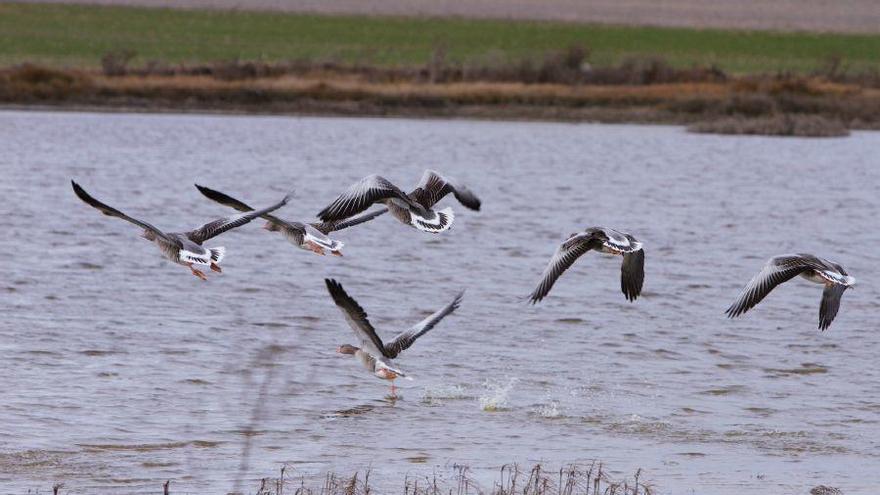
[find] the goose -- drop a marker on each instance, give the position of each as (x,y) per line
(779,269)
(309,236)
(184,248)
(603,240)
(375,355)
(414,209)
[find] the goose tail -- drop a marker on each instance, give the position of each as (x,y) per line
(441,221)
(217,254)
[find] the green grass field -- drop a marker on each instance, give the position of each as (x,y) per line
(71,35)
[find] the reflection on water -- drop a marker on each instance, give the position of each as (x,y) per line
(121,370)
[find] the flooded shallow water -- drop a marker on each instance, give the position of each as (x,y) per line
(121,370)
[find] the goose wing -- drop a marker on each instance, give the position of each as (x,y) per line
(357,319)
(360,196)
(226,200)
(336,225)
(570,250)
(217,227)
(407,338)
(433,187)
(830,304)
(777,270)
(113,212)
(632,273)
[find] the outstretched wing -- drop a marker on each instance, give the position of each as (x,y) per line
(433,187)
(570,250)
(632,273)
(336,225)
(777,270)
(407,338)
(360,196)
(217,227)
(357,319)
(830,304)
(113,212)
(226,200)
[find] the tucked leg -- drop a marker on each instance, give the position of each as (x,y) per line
(315,248)
(216,267)
(197,273)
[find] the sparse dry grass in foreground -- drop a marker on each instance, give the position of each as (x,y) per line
(573,479)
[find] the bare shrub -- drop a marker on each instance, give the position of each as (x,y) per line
(236,70)
(115,63)
(749,105)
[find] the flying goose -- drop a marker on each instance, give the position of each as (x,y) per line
(779,269)
(184,248)
(309,236)
(606,241)
(375,355)
(414,209)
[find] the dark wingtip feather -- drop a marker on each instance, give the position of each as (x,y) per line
(458,298)
(324,214)
(733,311)
(78,189)
(88,199)
(211,193)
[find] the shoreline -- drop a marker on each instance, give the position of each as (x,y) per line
(479,114)
(767,105)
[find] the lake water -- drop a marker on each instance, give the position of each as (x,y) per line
(121,370)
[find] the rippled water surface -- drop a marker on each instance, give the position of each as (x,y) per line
(121,370)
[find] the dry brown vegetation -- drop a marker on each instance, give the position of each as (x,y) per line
(779,125)
(558,86)
(573,479)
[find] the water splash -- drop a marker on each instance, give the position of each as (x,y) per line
(437,393)
(496,395)
(549,410)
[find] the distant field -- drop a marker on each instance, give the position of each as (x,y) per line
(842,16)
(75,35)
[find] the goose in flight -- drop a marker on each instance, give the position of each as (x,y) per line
(783,268)
(603,240)
(375,355)
(414,209)
(309,236)
(184,248)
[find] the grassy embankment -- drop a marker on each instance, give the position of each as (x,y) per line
(160,59)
